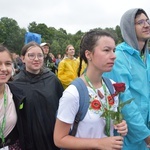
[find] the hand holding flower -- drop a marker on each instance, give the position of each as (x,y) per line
(116,116)
(122,128)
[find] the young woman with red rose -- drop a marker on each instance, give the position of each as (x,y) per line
(97,50)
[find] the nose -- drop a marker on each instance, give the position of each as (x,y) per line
(113,56)
(146,24)
(2,67)
(36,57)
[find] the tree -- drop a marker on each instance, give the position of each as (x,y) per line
(118,32)
(11,34)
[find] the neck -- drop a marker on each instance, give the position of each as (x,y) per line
(141,44)
(2,88)
(71,57)
(95,79)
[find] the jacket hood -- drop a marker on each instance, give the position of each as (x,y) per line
(24,76)
(127,26)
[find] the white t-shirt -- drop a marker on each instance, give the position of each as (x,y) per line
(92,126)
(10,110)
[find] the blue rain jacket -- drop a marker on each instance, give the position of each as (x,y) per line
(130,69)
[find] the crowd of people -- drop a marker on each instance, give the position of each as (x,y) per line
(39,102)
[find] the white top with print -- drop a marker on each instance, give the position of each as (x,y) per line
(92,126)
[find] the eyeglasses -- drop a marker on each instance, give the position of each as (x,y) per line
(32,56)
(142,22)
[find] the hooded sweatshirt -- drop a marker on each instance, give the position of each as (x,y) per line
(134,71)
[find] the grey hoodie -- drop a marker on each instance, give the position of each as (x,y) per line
(127,26)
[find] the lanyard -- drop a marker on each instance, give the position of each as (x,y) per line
(90,84)
(104,88)
(2,127)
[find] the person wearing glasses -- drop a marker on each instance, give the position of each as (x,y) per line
(42,90)
(132,66)
(68,67)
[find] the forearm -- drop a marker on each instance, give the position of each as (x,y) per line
(71,142)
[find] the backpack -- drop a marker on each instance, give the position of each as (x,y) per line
(84,100)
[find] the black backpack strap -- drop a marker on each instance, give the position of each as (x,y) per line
(83,103)
(109,85)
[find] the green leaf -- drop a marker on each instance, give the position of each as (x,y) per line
(122,104)
(113,115)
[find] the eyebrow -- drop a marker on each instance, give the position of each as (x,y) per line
(8,61)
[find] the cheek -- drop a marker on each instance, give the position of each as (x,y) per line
(11,71)
(46,51)
(42,62)
(26,60)
(27,63)
(97,58)
(137,31)
(99,61)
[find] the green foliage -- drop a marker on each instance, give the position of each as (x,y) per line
(12,36)
(118,32)
(116,116)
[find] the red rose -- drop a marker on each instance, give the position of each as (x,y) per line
(95,104)
(119,87)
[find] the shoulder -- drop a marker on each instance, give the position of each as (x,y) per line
(62,61)
(70,98)
(70,93)
(49,75)
(72,90)
(16,91)
(21,74)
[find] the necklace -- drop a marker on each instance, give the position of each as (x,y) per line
(2,127)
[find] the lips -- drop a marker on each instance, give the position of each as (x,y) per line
(146,31)
(111,64)
(36,64)
(3,76)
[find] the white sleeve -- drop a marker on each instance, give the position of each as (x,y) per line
(68,105)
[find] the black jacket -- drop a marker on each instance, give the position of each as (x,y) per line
(43,92)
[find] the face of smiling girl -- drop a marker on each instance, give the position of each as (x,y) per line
(33,59)
(5,67)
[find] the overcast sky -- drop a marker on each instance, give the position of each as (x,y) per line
(71,15)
